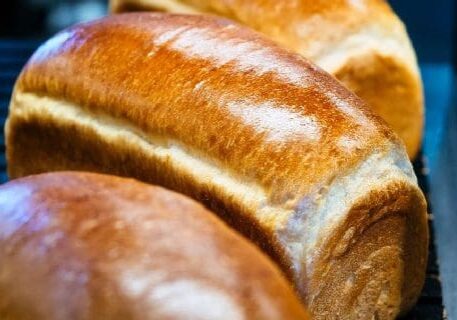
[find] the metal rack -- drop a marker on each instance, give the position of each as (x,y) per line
(14,54)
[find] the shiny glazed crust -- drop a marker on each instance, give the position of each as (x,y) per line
(92,246)
(363,43)
(271,143)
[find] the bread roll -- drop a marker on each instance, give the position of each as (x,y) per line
(270,142)
(361,42)
(90,246)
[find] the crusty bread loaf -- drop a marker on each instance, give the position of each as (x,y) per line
(267,140)
(361,42)
(89,246)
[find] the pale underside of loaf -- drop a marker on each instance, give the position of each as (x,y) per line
(365,46)
(300,236)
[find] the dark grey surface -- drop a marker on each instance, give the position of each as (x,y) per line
(441,144)
(430,25)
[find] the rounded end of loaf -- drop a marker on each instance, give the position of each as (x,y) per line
(373,265)
(392,89)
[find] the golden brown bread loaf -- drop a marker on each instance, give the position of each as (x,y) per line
(361,42)
(267,140)
(89,246)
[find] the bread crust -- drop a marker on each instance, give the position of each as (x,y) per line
(358,42)
(219,113)
(114,248)
(210,92)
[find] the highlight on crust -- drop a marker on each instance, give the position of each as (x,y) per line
(362,43)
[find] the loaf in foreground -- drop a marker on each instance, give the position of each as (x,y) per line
(363,43)
(89,246)
(270,142)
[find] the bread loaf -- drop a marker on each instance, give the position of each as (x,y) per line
(363,43)
(89,246)
(274,145)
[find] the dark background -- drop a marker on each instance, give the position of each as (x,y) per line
(41,18)
(431,25)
